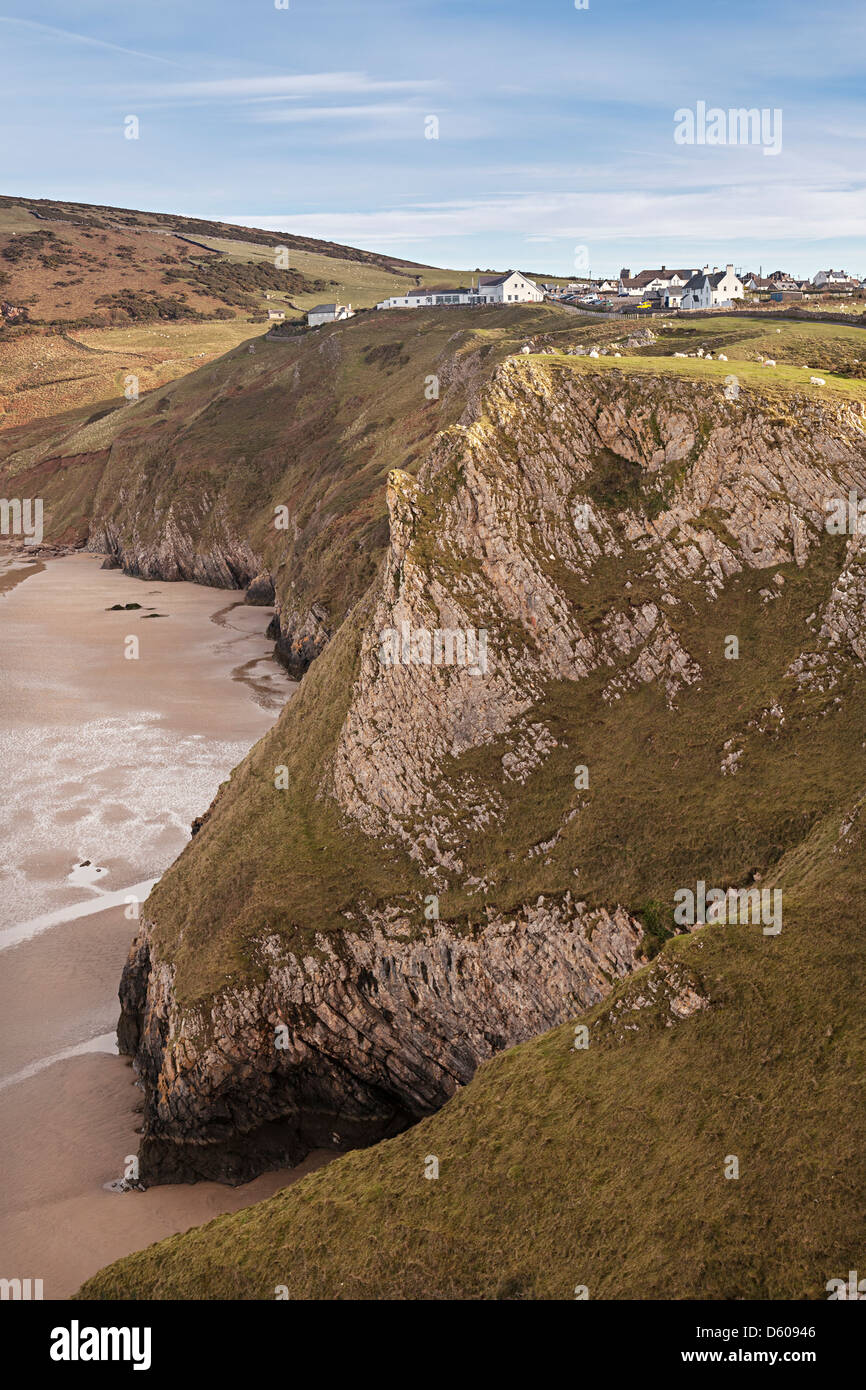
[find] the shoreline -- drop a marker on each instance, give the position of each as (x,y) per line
(107,762)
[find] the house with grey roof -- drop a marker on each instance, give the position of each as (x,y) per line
(328,313)
(712,289)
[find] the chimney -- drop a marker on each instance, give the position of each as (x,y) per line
(625,273)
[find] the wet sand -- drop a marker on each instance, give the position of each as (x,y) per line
(105,762)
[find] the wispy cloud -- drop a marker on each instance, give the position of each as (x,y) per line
(299,114)
(294,85)
(67,36)
(791,213)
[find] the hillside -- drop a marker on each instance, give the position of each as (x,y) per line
(388,922)
(90,294)
(90,266)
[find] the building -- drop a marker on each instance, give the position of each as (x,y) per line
(648,280)
(328,313)
(510,288)
(426,296)
(712,289)
(758,283)
(276,314)
(825,278)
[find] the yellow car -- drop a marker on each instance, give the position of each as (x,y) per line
(645,305)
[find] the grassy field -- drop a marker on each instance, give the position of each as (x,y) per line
(806,344)
(782,381)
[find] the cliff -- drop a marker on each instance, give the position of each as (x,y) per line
(427,861)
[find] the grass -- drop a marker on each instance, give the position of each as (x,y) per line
(349,282)
(44,377)
(779,381)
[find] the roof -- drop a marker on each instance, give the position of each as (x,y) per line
(323,309)
(422,291)
(663,273)
(497,279)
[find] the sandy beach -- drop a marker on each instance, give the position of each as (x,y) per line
(106,760)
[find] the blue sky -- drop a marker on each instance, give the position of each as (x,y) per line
(555,125)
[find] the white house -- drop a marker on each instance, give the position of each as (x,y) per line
(831,277)
(276,314)
(672,296)
(510,288)
(328,313)
(646,281)
(712,289)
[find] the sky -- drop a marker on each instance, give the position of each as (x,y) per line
(459,133)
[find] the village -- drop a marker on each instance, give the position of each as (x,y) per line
(660,290)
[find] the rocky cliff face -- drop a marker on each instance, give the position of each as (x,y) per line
(357,1039)
(583,523)
(564,474)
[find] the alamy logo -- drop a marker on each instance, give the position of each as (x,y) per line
(738,126)
(850,1288)
(76,1343)
(419,646)
(845,516)
(734,906)
(22,517)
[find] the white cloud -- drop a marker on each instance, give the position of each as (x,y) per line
(294,85)
(326,113)
(786,213)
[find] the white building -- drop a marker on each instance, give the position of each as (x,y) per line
(831,277)
(421,298)
(672,296)
(328,313)
(510,288)
(712,289)
(648,281)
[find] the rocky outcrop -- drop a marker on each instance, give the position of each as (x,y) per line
(359,1038)
(564,473)
(300,636)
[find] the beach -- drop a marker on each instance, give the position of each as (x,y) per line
(106,759)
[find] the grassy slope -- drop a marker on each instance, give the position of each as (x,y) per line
(42,377)
(348,282)
(603,1167)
